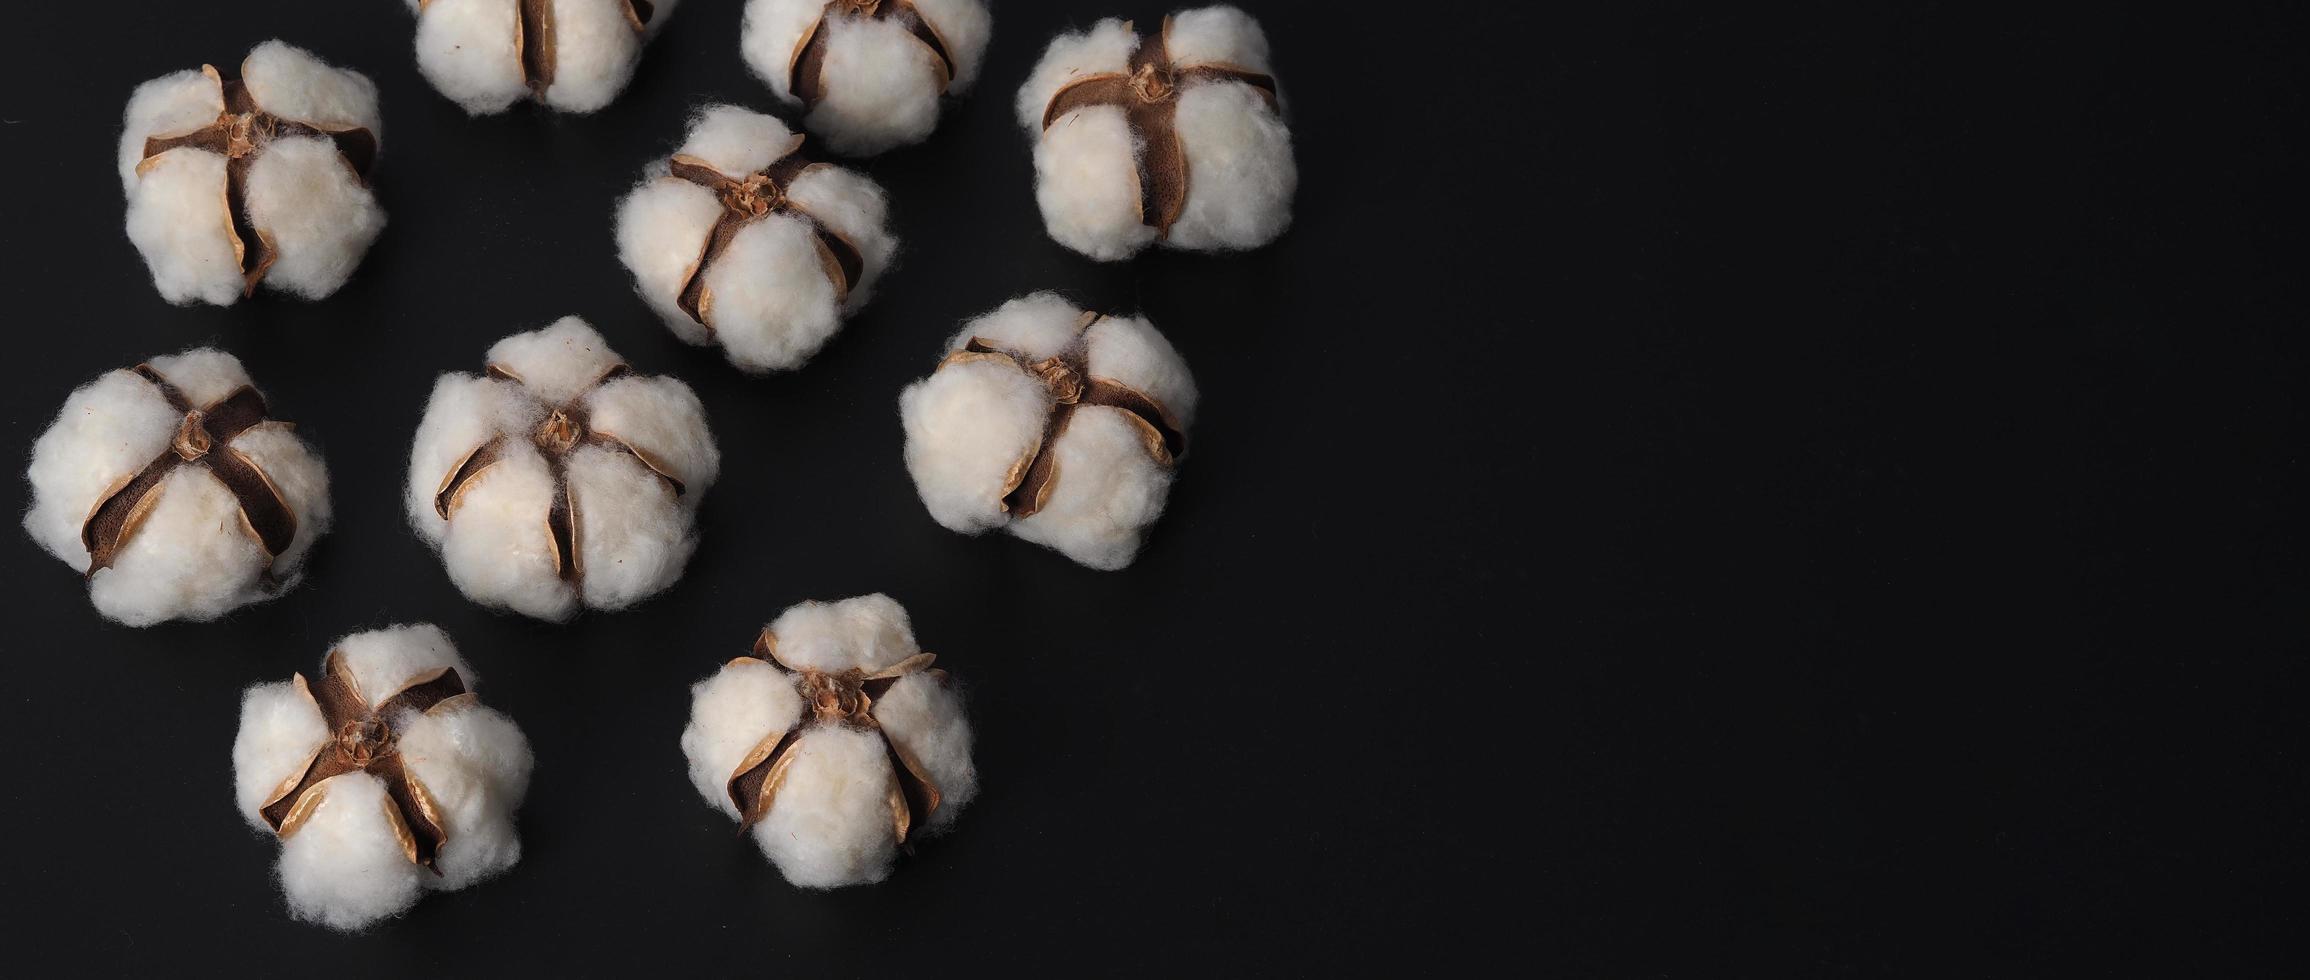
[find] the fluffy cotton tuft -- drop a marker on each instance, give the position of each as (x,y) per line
(1236,148)
(472,50)
(299,192)
(559,416)
(190,554)
(770,299)
(831,821)
(880,81)
(977,423)
(344,865)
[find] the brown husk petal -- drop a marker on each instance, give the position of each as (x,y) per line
(364,739)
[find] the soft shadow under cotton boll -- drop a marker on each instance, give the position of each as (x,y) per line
(195,500)
(383,776)
(560,480)
(1059,425)
(834,744)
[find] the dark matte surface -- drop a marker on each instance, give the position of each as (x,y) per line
(1705,489)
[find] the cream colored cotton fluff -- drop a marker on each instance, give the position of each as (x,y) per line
(383,776)
(835,744)
(158,468)
(1207,74)
(1055,424)
(285,148)
(774,285)
(880,65)
(560,480)
(572,55)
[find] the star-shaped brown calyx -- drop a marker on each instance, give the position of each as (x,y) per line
(365,739)
(806,71)
(835,698)
(1148,92)
(203,438)
(240,133)
(1067,376)
(749,198)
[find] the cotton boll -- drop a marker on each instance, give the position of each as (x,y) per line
(280,729)
(1110,492)
(478,52)
(108,430)
(474,764)
(183,543)
(808,728)
(268,153)
(868,632)
(879,83)
(968,426)
(291,82)
(730,713)
(385,661)
(177,565)
(635,536)
(1200,89)
(174,103)
(499,550)
(463,412)
(1115,391)
(1087,187)
(179,221)
(567,482)
(779,286)
(383,762)
(344,868)
(831,824)
(322,218)
(926,717)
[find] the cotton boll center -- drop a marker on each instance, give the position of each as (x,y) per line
(755,196)
(1154,83)
(1057,374)
(562,429)
(838,696)
(364,740)
(192,437)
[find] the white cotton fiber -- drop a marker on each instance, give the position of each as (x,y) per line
(770,300)
(1237,150)
(561,412)
(880,82)
(344,866)
(974,426)
(192,555)
(300,193)
(831,821)
(472,50)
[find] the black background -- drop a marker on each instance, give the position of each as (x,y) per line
(1696,491)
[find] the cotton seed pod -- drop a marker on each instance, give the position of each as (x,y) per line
(741,241)
(233,182)
(571,55)
(384,777)
(173,490)
(868,74)
(560,479)
(1176,139)
(835,743)
(1054,423)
